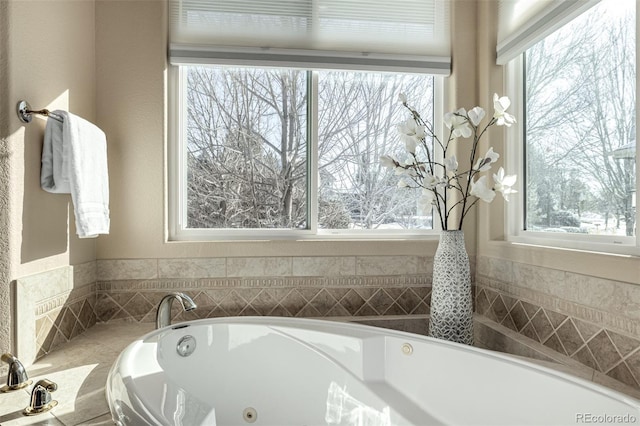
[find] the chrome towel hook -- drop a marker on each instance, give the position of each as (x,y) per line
(25,113)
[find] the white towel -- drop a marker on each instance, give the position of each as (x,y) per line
(74,161)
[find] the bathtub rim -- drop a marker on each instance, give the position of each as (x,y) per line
(371,330)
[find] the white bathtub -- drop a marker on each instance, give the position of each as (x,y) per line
(277,371)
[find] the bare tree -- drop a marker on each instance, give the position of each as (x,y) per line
(247,148)
(580,89)
(358,113)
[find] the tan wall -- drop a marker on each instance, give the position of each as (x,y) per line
(131,46)
(461,89)
(5,173)
(48,60)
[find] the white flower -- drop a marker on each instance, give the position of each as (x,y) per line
(425,202)
(500,105)
(387,162)
(411,133)
(410,144)
(451,164)
(430,181)
(493,156)
(480,189)
(458,123)
(484,163)
(504,183)
(410,127)
(476,115)
(415,172)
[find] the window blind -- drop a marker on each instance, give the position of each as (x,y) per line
(522,23)
(381,35)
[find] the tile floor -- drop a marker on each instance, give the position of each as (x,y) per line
(80,369)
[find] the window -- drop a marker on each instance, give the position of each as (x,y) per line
(579,117)
(357,114)
(246,146)
(286,152)
(269,140)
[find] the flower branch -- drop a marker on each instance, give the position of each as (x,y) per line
(437,178)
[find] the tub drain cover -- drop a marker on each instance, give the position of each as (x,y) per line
(250,415)
(186,345)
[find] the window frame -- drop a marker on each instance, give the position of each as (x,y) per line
(514,231)
(176,206)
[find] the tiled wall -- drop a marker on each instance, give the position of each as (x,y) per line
(64,318)
(290,297)
(53,307)
(281,267)
(56,306)
(334,287)
(593,321)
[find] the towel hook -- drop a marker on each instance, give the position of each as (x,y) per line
(25,113)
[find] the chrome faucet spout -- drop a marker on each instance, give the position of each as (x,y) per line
(17,377)
(163,314)
(41,401)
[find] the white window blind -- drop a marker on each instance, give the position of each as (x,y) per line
(522,23)
(381,35)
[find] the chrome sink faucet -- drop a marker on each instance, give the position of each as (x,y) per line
(17,377)
(40,401)
(163,314)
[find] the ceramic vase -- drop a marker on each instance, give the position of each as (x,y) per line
(451,302)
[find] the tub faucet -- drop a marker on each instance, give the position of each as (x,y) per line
(163,314)
(41,398)
(17,377)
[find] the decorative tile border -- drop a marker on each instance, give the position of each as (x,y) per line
(615,354)
(294,297)
(176,285)
(615,304)
(47,305)
(59,325)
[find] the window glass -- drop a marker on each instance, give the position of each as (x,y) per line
(246,148)
(358,113)
(580,125)
(246,144)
